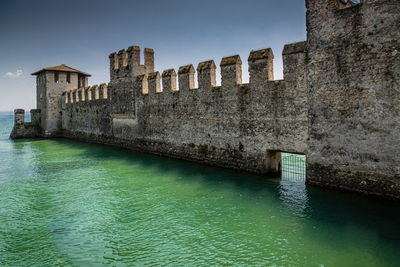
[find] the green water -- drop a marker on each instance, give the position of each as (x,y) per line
(74,204)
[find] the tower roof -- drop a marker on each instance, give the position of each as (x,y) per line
(62,67)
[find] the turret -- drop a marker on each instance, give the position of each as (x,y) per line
(51,83)
(126,63)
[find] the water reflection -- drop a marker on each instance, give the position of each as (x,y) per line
(293,195)
(87,205)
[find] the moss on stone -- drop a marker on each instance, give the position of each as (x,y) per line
(148,50)
(169,72)
(140,78)
(294,48)
(133,48)
(260,54)
(186,69)
(206,65)
(232,60)
(363,46)
(307,58)
(244,89)
(203,149)
(241,147)
(153,75)
(28,125)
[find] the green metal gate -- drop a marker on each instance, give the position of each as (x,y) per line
(293,167)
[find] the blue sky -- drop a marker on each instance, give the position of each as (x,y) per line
(81,34)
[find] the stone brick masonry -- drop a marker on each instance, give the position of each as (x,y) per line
(339,104)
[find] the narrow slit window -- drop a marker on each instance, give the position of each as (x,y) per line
(56,77)
(68,77)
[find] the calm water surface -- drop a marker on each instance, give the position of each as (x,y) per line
(74,204)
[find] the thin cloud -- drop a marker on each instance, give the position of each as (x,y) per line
(13,74)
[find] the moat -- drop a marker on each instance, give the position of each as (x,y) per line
(69,203)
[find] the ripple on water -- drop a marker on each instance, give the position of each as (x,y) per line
(69,203)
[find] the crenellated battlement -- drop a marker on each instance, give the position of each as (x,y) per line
(337,103)
(261,65)
(24,129)
(231,71)
(169,80)
(260,71)
(126,63)
(134,87)
(206,76)
(87,94)
(186,77)
(154,83)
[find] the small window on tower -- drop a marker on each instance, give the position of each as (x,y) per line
(82,82)
(56,77)
(342,4)
(68,77)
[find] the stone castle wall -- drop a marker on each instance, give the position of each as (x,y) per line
(236,125)
(87,111)
(339,103)
(354,94)
(24,129)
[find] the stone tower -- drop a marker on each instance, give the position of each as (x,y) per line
(51,82)
(353,79)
